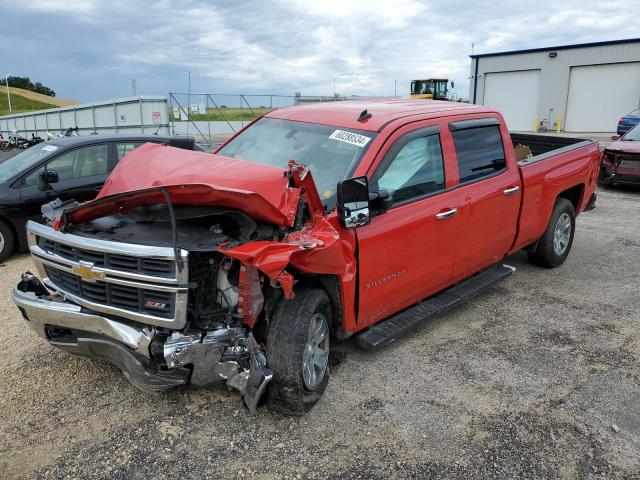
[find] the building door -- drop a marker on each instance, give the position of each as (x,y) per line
(515,95)
(600,94)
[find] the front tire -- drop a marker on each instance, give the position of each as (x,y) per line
(556,242)
(298,348)
(7,241)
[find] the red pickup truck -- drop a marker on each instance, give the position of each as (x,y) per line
(315,223)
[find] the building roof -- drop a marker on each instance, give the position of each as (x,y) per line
(559,47)
(89,139)
(345,113)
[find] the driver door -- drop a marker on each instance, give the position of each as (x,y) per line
(407,253)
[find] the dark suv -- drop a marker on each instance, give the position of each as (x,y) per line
(79,164)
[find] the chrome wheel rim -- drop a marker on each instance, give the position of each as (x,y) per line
(315,356)
(562,234)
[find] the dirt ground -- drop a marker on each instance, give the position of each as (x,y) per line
(540,378)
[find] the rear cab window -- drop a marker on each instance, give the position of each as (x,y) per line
(479,149)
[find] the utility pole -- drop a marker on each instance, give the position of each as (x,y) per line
(334,83)
(133,86)
(6,80)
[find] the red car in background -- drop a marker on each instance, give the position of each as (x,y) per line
(621,160)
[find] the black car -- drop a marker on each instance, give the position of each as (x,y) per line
(81,165)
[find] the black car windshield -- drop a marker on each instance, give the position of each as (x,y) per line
(633,135)
(23,161)
(329,152)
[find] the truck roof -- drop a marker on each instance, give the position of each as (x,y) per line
(345,113)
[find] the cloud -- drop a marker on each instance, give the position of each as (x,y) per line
(91,49)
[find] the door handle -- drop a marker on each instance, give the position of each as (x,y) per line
(511,191)
(447,214)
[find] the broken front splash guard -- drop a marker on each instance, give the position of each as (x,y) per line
(219,355)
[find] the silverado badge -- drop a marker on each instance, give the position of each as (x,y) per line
(86,272)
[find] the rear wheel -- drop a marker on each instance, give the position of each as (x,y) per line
(298,348)
(554,246)
(7,241)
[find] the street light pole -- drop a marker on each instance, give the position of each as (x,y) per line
(334,82)
(6,80)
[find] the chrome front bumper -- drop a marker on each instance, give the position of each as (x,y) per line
(55,311)
(203,360)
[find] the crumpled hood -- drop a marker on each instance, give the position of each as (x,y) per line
(194,178)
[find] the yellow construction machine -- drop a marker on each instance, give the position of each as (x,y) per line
(435,88)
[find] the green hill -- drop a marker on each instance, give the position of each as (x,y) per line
(26,101)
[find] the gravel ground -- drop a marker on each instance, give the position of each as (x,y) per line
(540,378)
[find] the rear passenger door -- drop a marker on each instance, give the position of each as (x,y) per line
(490,191)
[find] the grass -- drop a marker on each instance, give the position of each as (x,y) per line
(214,114)
(20,103)
(38,97)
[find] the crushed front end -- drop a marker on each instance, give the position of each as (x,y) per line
(173,272)
(165,318)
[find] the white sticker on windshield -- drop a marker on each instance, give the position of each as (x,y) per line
(349,137)
(49,148)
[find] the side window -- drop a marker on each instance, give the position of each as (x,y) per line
(415,170)
(33,178)
(78,163)
(123,148)
(480,152)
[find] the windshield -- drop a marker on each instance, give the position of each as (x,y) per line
(424,87)
(23,161)
(329,152)
(633,135)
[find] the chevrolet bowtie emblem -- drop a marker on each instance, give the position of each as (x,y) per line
(86,272)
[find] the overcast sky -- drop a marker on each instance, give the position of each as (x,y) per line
(90,50)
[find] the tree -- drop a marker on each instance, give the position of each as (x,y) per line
(26,84)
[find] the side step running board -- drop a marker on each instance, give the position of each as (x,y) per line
(400,324)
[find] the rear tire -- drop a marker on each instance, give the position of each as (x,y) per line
(7,241)
(555,244)
(300,371)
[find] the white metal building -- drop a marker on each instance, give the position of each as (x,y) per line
(140,114)
(584,88)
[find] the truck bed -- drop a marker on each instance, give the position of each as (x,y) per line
(560,166)
(544,144)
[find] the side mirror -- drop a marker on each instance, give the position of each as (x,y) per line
(615,137)
(353,202)
(46,179)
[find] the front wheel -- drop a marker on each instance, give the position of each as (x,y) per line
(6,146)
(554,246)
(298,347)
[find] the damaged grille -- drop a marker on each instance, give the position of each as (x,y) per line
(126,263)
(138,282)
(161,304)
